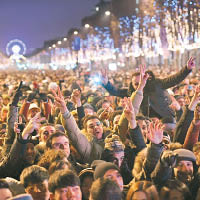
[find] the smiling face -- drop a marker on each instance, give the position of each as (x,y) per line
(95,128)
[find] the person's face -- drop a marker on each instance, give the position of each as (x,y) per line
(95,128)
(176,195)
(114,175)
(45,132)
(88,111)
(30,153)
(181,101)
(184,171)
(139,195)
(119,156)
(5,193)
(144,128)
(4,115)
(61,142)
(67,193)
(85,186)
(32,112)
(135,81)
(105,105)
(39,191)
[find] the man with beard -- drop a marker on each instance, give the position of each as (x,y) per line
(179,164)
(156,99)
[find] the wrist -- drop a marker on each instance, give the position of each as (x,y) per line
(132,124)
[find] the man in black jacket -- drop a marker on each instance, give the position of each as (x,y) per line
(156,99)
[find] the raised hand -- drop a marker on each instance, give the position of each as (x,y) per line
(105,114)
(32,125)
(195,98)
(169,159)
(155,132)
(76,97)
(143,77)
(191,63)
(129,112)
(59,100)
(104,76)
(174,105)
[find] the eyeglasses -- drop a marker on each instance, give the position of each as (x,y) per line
(92,126)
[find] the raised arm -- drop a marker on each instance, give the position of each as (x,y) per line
(78,140)
(179,76)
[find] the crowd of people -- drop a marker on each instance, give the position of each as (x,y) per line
(99,136)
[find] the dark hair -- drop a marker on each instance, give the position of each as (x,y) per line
(174,185)
(58,165)
(89,117)
(50,156)
(63,178)
(3,184)
(33,174)
(56,134)
(105,189)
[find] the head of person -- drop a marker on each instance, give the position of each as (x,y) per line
(45,131)
(113,150)
(64,185)
(180,99)
(30,153)
(93,126)
(35,182)
(142,190)
(59,165)
(184,168)
(4,113)
(110,171)
(106,189)
(88,109)
(86,177)
(175,189)
(33,110)
(50,156)
(58,140)
(5,192)
(114,119)
(143,124)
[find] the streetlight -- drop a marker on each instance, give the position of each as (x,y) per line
(75,32)
(65,39)
(107,13)
(49,47)
(87,26)
(97,8)
(54,46)
(59,42)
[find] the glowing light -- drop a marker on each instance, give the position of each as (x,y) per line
(107,13)
(16,49)
(65,39)
(59,42)
(54,46)
(112,66)
(87,26)
(97,8)
(75,32)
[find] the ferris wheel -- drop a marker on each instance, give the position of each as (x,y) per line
(15,47)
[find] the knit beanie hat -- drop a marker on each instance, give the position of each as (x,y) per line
(113,143)
(185,154)
(102,168)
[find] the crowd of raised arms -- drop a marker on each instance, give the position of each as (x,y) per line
(102,135)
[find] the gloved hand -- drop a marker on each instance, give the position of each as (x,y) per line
(17,95)
(169,159)
(31,96)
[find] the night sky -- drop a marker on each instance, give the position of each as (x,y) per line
(34,21)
